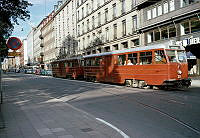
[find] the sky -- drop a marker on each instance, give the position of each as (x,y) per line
(37,13)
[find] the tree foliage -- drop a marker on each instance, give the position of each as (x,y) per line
(10,12)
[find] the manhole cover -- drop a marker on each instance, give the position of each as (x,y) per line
(87,129)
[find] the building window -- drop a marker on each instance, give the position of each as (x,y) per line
(82,12)
(164,33)
(166,8)
(171,5)
(83,28)
(88,40)
(99,19)
(114,10)
(83,42)
(107,33)
(88,25)
(106,15)
(148,14)
(98,3)
(123,27)
(160,10)
(123,6)
(172,31)
(93,23)
(154,12)
(115,31)
(134,23)
(149,37)
(133,3)
(184,28)
(92,5)
(78,15)
(125,44)
(78,29)
(187,2)
(135,42)
(87,9)
(157,34)
(195,25)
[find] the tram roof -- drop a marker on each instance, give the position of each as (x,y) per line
(160,46)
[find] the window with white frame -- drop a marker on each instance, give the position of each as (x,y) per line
(124,27)
(107,33)
(88,25)
(148,14)
(106,15)
(149,37)
(115,31)
(82,27)
(82,12)
(123,6)
(134,23)
(160,10)
(87,9)
(93,23)
(99,19)
(166,8)
(154,12)
(114,10)
(171,5)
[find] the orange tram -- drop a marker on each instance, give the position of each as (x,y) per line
(136,67)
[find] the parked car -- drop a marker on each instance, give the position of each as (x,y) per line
(49,72)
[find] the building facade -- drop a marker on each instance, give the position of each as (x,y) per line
(47,45)
(36,45)
(65,28)
(177,21)
(30,41)
(107,25)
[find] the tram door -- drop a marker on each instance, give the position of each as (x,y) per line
(108,68)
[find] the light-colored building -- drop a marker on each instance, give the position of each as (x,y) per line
(107,25)
(177,21)
(30,40)
(36,44)
(24,41)
(48,40)
(65,28)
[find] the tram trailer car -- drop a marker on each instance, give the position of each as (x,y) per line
(139,67)
(68,68)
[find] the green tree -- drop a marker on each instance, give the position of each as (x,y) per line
(10,12)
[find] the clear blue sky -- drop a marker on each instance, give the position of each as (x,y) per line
(37,13)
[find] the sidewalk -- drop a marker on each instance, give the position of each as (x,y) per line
(34,114)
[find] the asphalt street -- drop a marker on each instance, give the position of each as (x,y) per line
(138,113)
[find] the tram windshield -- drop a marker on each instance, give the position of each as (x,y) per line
(176,56)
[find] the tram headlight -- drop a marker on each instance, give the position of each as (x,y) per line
(179,72)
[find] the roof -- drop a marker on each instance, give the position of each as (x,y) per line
(160,46)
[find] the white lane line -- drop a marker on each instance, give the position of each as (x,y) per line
(110,125)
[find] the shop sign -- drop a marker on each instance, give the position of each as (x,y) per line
(189,41)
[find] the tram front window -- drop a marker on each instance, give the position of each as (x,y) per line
(182,56)
(176,56)
(172,55)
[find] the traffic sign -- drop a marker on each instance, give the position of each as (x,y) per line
(14,53)
(14,43)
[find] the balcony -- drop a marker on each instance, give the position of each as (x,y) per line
(41,45)
(41,54)
(41,37)
(140,4)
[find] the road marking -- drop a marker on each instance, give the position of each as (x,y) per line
(110,125)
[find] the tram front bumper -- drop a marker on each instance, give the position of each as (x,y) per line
(178,83)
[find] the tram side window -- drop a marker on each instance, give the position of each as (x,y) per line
(97,61)
(65,64)
(132,59)
(88,62)
(145,58)
(82,63)
(160,57)
(121,59)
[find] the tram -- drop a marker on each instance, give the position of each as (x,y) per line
(135,67)
(68,68)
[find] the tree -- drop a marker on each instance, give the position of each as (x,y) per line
(10,12)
